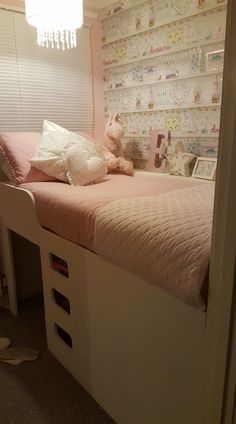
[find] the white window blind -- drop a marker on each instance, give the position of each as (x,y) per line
(38,83)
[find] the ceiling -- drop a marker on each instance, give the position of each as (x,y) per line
(99,4)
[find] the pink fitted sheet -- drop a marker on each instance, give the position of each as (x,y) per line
(70,211)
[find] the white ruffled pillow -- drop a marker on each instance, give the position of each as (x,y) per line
(54,156)
(82,168)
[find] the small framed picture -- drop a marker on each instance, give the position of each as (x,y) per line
(215,61)
(205,168)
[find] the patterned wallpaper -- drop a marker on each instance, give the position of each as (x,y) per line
(163,63)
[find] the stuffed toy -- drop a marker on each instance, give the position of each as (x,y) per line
(112,149)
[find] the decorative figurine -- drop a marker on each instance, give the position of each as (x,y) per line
(151,15)
(151,100)
(216,92)
(158,149)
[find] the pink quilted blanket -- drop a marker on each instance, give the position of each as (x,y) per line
(156,227)
(164,239)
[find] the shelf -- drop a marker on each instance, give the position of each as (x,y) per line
(183,17)
(125,10)
(171,177)
(143,84)
(172,107)
(174,135)
(163,53)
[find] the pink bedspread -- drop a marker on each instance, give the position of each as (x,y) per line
(72,212)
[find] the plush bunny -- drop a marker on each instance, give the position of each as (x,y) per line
(112,149)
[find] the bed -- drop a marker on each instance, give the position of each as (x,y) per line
(135,342)
(133,346)
(157,229)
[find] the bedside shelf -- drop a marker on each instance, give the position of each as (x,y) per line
(174,135)
(125,9)
(144,84)
(183,17)
(174,107)
(167,175)
(164,53)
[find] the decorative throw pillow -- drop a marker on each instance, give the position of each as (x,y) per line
(51,154)
(5,167)
(16,150)
(82,168)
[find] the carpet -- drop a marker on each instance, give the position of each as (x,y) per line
(42,391)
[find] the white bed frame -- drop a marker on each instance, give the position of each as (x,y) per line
(138,351)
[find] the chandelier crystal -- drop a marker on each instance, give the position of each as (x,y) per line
(56,21)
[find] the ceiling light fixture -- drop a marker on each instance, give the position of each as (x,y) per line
(56,21)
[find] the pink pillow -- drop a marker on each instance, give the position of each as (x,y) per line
(16,149)
(87,136)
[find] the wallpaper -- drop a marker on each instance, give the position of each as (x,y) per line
(163,63)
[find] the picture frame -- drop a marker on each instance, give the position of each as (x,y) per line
(205,168)
(215,60)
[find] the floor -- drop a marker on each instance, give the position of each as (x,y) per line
(40,392)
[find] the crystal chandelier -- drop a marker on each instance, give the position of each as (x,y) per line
(56,21)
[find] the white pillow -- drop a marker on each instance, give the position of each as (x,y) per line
(82,168)
(50,154)
(50,151)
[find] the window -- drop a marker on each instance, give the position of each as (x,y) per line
(38,83)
